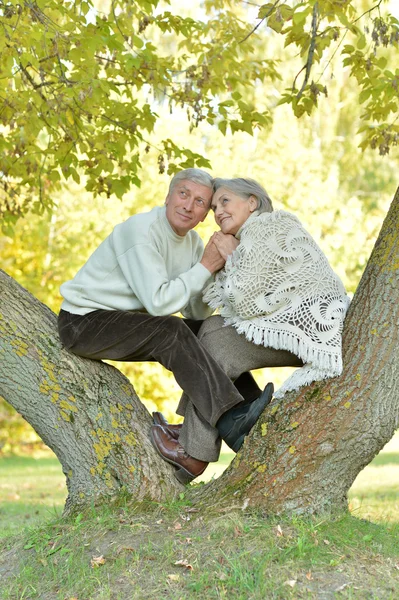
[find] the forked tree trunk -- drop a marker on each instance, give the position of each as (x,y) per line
(305,452)
(86,411)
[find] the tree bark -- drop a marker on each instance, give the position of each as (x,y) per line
(86,411)
(305,451)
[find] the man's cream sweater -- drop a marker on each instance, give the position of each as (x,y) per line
(142,265)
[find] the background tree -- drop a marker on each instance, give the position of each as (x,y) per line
(212,69)
(81,81)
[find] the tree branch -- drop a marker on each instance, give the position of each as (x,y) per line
(368,11)
(260,22)
(309,62)
(35,85)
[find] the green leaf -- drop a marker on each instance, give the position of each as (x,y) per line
(361,43)
(222,126)
(382,62)
(265,10)
(299,17)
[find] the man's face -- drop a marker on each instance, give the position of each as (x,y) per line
(186,205)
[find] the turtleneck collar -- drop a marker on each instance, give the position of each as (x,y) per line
(171,233)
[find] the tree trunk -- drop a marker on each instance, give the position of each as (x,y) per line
(85,411)
(302,456)
(305,452)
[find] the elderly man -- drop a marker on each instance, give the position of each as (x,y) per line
(119,306)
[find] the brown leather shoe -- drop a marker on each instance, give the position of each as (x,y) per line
(170,450)
(159,419)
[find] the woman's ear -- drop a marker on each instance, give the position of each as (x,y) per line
(253,203)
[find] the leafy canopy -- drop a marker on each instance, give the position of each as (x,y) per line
(80,82)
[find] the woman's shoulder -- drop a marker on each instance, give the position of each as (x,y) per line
(270,219)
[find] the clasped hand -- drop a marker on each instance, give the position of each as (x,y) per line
(218,248)
(225,243)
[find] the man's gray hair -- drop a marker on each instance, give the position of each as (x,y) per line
(245,188)
(196,175)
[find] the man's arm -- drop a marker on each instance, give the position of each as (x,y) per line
(146,274)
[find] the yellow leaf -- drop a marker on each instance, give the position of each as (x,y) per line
(69,116)
(97,561)
(184,563)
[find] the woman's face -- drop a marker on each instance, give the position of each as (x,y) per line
(231,211)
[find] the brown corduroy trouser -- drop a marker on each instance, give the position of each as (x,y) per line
(169,340)
(205,367)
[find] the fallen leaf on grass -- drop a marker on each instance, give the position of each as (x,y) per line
(340,588)
(97,561)
(314,536)
(124,549)
(279,531)
(184,563)
(326,542)
(177,525)
(290,582)
(237,532)
(173,577)
(309,575)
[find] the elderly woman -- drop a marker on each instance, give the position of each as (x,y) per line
(277,288)
(279,303)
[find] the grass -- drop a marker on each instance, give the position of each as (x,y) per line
(31,491)
(172,551)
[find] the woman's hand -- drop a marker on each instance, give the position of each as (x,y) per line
(225,243)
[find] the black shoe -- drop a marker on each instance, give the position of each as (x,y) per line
(237,422)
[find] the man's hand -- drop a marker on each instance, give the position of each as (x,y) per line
(225,243)
(212,258)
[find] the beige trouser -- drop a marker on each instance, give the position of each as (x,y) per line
(235,355)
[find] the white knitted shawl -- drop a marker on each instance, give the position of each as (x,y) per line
(278,289)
